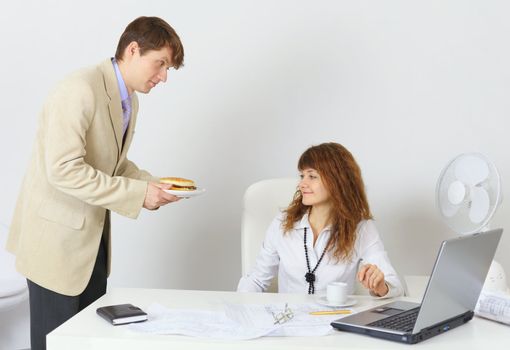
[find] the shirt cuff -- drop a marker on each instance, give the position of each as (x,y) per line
(392,291)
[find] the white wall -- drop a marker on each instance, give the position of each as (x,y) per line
(405,85)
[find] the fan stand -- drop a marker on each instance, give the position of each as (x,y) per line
(496,279)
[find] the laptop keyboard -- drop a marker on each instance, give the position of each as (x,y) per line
(401,322)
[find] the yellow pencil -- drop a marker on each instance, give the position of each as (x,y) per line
(331,312)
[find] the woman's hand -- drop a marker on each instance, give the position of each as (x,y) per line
(373,279)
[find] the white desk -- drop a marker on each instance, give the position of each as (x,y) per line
(88,331)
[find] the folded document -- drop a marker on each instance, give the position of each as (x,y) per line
(494,306)
(237,321)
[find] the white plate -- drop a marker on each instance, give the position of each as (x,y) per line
(186,194)
(326,302)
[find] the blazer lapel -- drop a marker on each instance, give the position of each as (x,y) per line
(114,105)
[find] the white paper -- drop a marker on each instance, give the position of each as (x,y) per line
(237,321)
(302,323)
(196,323)
(494,306)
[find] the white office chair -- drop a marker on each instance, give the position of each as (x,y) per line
(14,308)
(262,202)
(13,286)
(416,285)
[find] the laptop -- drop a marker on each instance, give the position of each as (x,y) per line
(450,297)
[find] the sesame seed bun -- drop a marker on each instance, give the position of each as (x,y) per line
(179,183)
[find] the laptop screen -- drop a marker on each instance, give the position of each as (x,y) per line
(457,277)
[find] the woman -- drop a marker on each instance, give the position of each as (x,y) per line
(325,233)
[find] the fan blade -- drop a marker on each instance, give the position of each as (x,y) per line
(480,204)
(471,170)
(449,210)
(456,192)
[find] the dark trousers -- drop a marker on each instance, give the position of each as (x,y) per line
(49,309)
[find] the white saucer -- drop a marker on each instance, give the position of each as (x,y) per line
(326,302)
(186,194)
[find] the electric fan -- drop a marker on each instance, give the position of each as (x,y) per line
(468,193)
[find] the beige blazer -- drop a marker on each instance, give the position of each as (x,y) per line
(77,172)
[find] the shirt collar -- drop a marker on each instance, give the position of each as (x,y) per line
(124,95)
(305,223)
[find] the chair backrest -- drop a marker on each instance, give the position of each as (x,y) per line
(262,202)
(13,286)
(7,269)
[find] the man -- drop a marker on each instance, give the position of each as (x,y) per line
(60,232)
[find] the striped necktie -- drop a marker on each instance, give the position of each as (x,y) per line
(126,114)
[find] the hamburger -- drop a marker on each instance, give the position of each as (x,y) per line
(178,183)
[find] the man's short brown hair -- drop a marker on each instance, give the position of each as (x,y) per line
(151,33)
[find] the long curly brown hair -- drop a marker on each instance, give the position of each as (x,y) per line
(341,177)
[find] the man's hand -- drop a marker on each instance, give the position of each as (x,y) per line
(156,197)
(372,278)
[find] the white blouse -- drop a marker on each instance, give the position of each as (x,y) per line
(284,254)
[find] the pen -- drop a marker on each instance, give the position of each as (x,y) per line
(331,312)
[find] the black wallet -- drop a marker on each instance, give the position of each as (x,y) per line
(122,314)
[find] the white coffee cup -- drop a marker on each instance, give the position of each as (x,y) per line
(337,293)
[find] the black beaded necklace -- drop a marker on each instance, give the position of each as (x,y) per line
(310,275)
